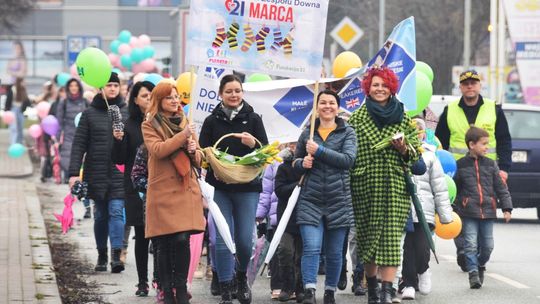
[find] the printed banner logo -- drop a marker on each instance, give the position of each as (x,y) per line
(295,105)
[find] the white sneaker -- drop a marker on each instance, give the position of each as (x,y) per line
(424,282)
(408,293)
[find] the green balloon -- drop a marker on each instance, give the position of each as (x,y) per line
(94,67)
(424,90)
(426,69)
(452,189)
(16,150)
(256,77)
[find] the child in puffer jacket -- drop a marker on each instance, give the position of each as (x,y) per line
(432,191)
(266,210)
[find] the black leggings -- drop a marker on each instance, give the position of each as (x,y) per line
(141,253)
(173,257)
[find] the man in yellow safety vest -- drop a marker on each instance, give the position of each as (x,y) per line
(471,109)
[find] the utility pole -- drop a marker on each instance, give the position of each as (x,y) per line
(382,13)
(501,53)
(467,36)
(493,28)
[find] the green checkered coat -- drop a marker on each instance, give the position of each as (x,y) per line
(381,202)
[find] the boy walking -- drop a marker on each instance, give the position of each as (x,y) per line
(479,185)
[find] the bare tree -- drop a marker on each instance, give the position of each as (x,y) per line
(439,30)
(12,12)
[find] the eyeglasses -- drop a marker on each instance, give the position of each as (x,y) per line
(175,97)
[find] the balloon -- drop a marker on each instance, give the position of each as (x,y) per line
(424,90)
(257,77)
(115,44)
(62,79)
(136,68)
(168,80)
(124,36)
(117,71)
(137,55)
(447,161)
(73,71)
(8,117)
(124,49)
(139,77)
(114,59)
(452,189)
(50,125)
(186,108)
(16,150)
(344,62)
(148,51)
(448,231)
(148,65)
(153,78)
(35,131)
(134,42)
(42,109)
(426,69)
(77,119)
(125,60)
(144,39)
(183,86)
(94,67)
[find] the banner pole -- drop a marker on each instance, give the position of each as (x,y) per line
(192,88)
(314,110)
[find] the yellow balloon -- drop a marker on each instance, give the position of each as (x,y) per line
(344,62)
(448,231)
(184,85)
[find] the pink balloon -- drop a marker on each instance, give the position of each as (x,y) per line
(114,59)
(43,109)
(136,68)
(148,64)
(139,77)
(35,131)
(144,39)
(135,43)
(124,49)
(8,117)
(73,71)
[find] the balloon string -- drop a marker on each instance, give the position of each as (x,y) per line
(105,97)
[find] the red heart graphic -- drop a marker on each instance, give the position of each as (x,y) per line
(229,5)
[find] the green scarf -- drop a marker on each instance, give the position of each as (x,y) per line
(391,113)
(170,126)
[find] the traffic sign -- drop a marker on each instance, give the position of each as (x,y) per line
(75,44)
(346,33)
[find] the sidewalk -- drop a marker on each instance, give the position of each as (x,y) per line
(26,274)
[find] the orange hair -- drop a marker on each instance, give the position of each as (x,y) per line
(162,90)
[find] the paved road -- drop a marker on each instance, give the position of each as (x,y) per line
(513,274)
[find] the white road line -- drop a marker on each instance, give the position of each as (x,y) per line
(508,281)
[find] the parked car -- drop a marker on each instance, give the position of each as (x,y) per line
(524,126)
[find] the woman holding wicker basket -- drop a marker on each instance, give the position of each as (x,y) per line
(174,208)
(237,129)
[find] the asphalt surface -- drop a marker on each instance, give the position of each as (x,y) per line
(513,274)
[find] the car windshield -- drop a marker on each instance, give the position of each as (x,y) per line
(523,124)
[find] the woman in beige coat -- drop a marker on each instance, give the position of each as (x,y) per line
(174,203)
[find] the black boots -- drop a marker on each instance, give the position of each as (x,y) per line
(474,280)
(386,293)
(329,297)
(226,296)
(103,258)
(117,266)
(309,296)
(181,295)
(373,290)
(244,292)
(342,283)
(214,286)
(357,287)
(168,296)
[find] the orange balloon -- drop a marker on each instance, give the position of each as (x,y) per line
(448,231)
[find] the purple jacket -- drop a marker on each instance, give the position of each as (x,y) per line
(268,200)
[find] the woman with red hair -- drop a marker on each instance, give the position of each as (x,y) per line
(380,199)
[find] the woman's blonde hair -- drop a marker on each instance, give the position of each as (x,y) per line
(162,90)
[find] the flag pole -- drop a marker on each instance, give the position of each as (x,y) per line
(314,110)
(191,85)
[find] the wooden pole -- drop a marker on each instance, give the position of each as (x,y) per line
(191,99)
(314,110)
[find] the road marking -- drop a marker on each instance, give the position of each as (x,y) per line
(508,281)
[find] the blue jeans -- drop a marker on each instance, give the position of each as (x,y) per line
(479,243)
(312,237)
(16,128)
(109,223)
(239,209)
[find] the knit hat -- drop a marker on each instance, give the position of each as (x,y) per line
(114,78)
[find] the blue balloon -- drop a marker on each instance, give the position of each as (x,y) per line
(78,119)
(62,79)
(447,161)
(148,51)
(114,46)
(117,71)
(137,55)
(16,150)
(153,78)
(125,60)
(124,36)
(186,108)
